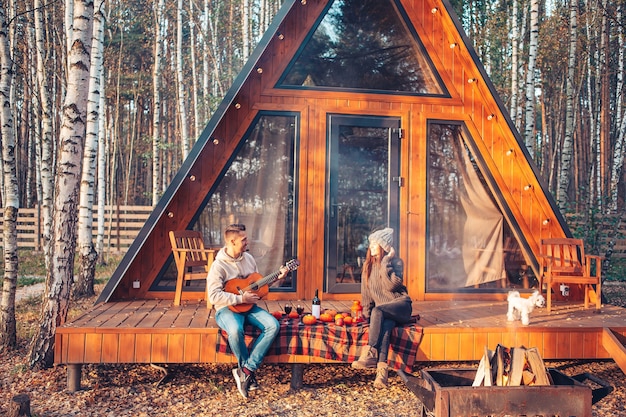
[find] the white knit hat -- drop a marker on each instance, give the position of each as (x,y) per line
(383,237)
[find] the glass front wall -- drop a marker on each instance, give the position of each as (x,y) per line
(470,244)
(257,190)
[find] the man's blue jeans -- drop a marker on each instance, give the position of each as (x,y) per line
(234,324)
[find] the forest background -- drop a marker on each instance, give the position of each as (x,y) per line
(102,100)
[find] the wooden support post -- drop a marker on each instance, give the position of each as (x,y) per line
(73,377)
(20,406)
(297,373)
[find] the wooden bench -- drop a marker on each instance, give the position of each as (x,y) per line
(564,262)
(192,259)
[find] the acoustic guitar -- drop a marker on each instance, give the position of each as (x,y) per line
(255,283)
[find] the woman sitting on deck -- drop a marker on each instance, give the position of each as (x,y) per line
(386,302)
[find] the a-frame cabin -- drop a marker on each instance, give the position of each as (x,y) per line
(352,115)
(348,117)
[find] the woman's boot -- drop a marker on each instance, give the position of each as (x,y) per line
(381,375)
(368,358)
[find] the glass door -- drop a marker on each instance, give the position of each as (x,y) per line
(362,192)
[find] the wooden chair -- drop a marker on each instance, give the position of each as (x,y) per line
(564,262)
(192,259)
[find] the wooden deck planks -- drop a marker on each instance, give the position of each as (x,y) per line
(155,331)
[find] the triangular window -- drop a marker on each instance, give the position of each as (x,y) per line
(365,45)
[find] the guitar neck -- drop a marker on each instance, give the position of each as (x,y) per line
(263,281)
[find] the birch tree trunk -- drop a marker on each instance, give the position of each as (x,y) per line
(8,332)
(83,287)
(592,83)
(618,151)
(182,109)
(514,62)
(59,278)
(206,92)
(566,149)
(605,118)
(102,180)
(45,149)
(245,28)
(156,98)
(194,76)
(529,127)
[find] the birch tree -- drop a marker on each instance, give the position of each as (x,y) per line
(83,287)
(59,277)
(8,338)
(102,180)
(156,100)
(529,126)
(245,28)
(514,62)
(45,148)
(182,108)
(618,150)
(194,74)
(566,149)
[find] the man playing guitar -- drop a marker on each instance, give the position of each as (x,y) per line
(234,262)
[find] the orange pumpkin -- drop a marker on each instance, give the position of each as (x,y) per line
(293,315)
(309,319)
(277,314)
(325,317)
(331,312)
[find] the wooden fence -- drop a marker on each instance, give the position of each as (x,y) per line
(121,226)
(604,230)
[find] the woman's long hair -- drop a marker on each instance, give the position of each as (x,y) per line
(369,260)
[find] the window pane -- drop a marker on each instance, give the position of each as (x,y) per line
(364,44)
(470,243)
(257,190)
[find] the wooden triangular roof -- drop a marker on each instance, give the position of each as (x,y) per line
(469,96)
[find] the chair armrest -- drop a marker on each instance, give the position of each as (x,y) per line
(597,260)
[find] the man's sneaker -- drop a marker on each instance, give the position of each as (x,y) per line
(243,382)
(254,385)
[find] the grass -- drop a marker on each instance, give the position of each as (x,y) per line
(32,268)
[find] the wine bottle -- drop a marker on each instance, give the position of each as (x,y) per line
(316,306)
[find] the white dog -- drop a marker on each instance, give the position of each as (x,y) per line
(522,307)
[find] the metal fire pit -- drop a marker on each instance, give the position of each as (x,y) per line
(449,393)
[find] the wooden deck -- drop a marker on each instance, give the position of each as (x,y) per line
(156,331)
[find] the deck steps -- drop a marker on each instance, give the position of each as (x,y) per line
(615,344)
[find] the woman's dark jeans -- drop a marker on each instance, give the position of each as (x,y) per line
(383,319)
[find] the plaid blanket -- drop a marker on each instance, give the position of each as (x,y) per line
(329,341)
